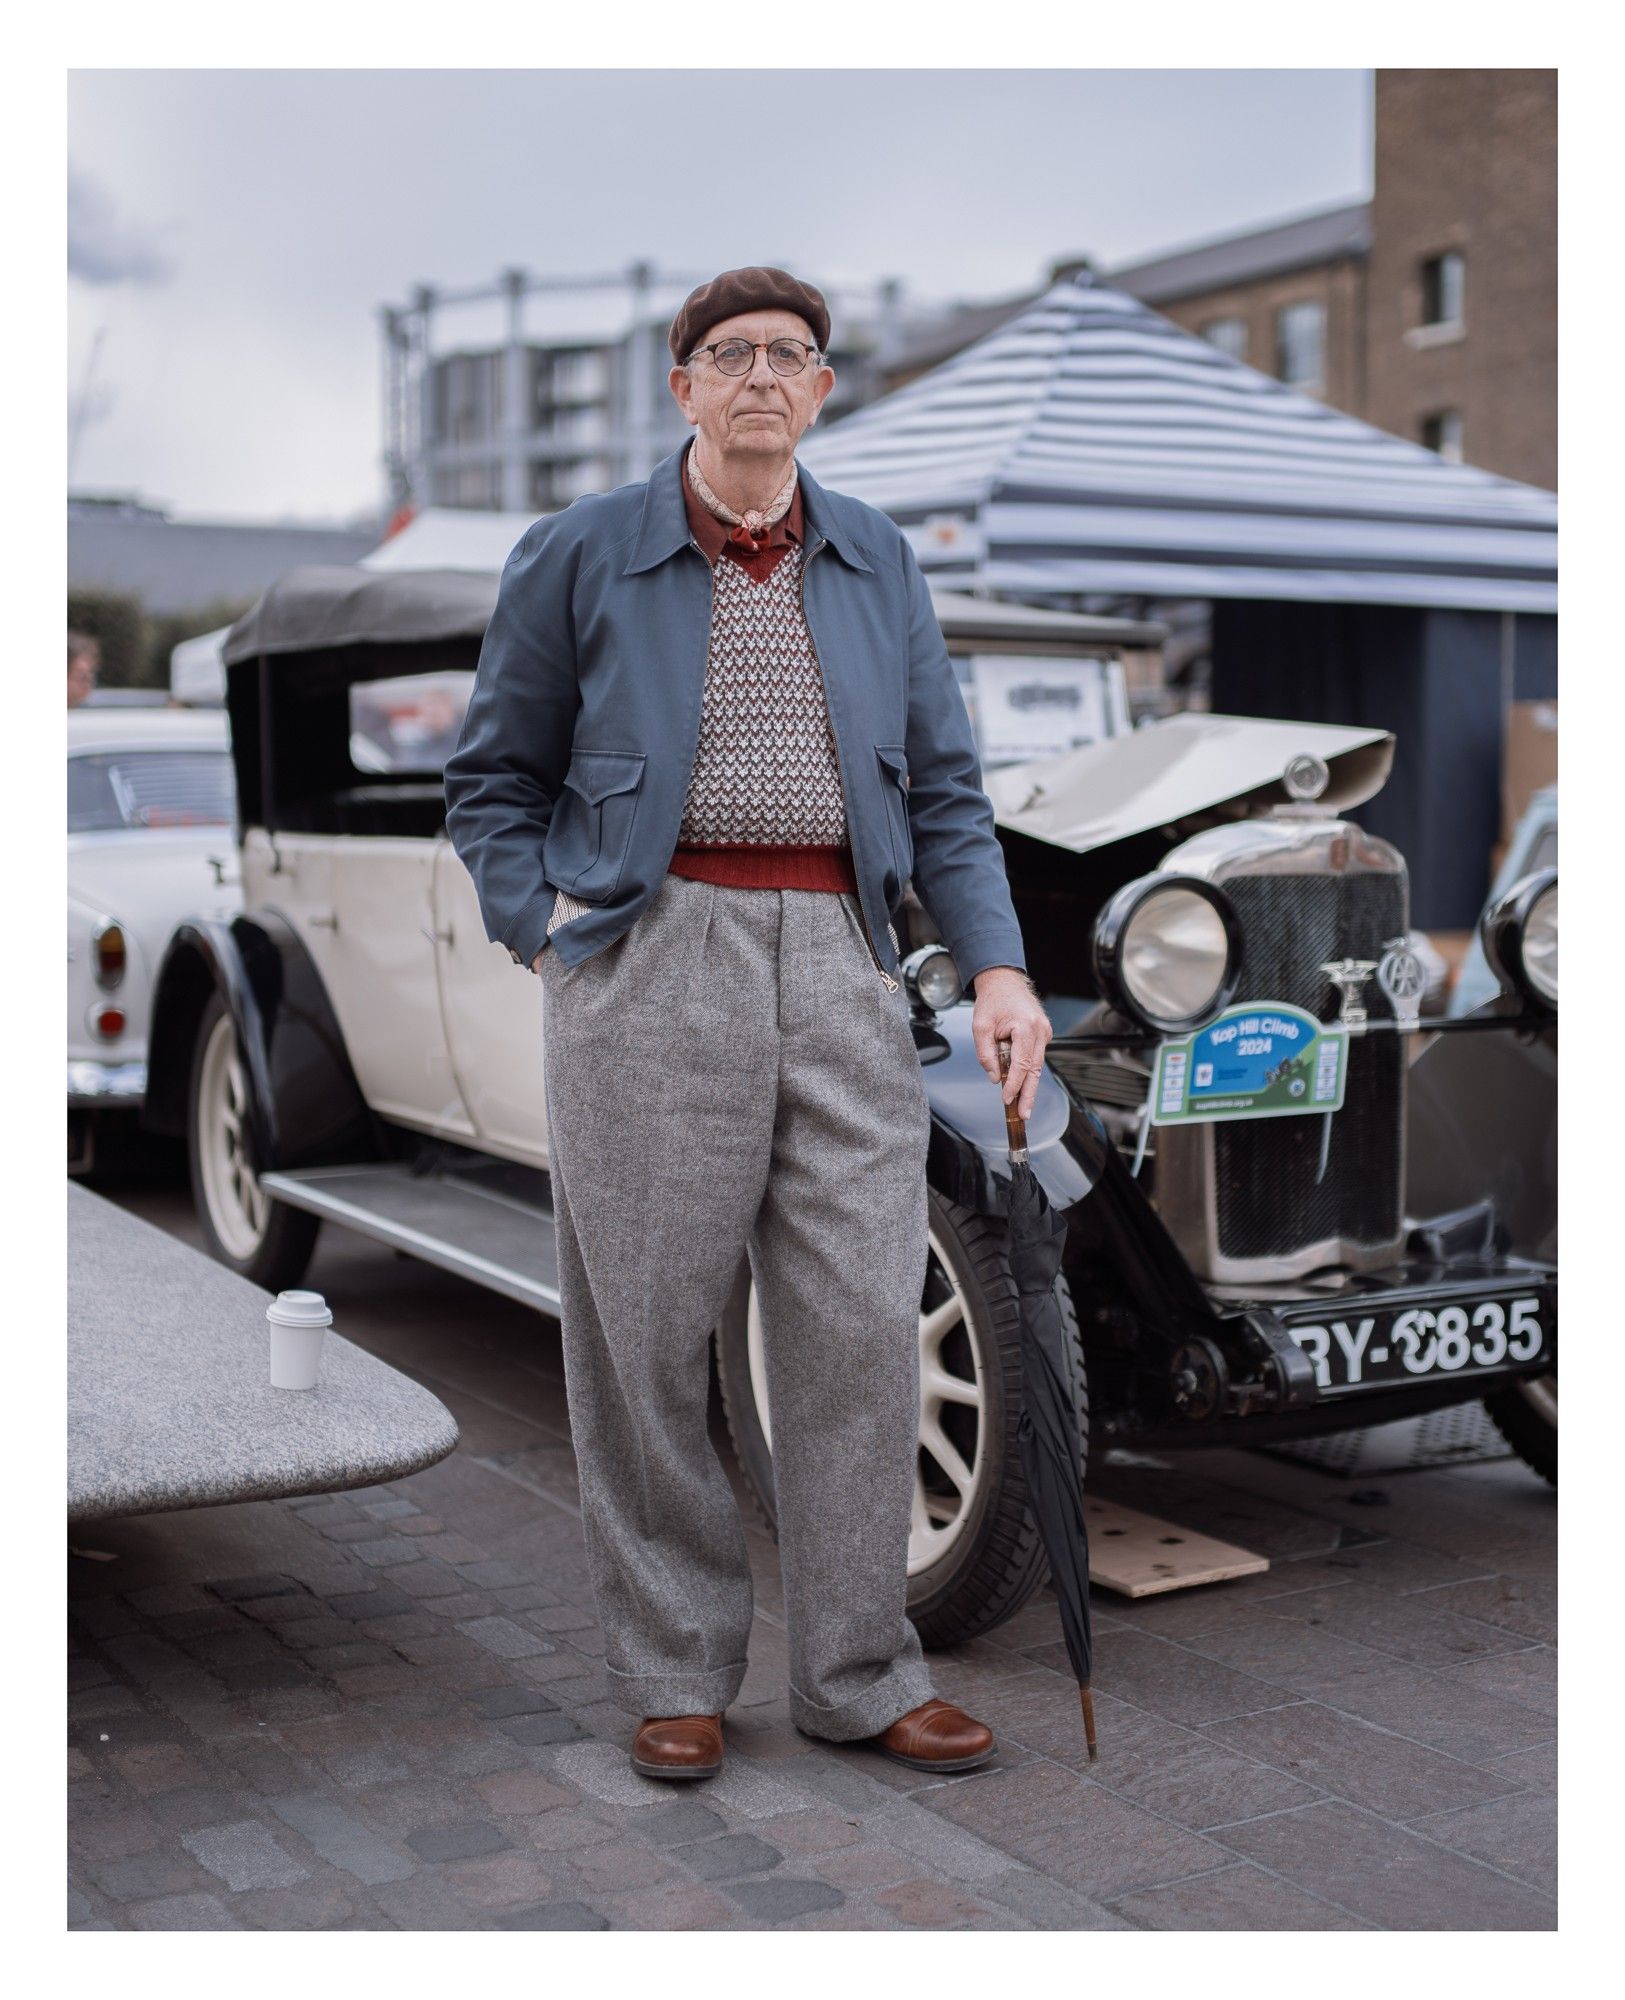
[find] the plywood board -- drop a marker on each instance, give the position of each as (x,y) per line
(1137,1555)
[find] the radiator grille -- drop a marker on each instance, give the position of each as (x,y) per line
(1267,1199)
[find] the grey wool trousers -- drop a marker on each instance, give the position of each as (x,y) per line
(732,1077)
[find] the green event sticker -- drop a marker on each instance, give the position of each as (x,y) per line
(1262,1060)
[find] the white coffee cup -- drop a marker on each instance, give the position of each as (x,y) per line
(299,1323)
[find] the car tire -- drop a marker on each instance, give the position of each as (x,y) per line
(243,1228)
(1525,1413)
(81,1144)
(988,1560)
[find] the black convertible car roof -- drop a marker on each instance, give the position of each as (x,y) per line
(309,610)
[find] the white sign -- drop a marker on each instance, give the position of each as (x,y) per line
(1037,707)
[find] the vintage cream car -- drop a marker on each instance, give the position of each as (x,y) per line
(352,1048)
(151,839)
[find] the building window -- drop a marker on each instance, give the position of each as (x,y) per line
(1300,344)
(1228,335)
(578,424)
(1443,283)
(1442,433)
(580,376)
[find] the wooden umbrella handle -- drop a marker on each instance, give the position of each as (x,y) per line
(1015,1126)
(1087,1700)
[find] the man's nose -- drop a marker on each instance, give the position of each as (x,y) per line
(760,374)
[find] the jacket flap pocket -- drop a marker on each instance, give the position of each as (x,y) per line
(595,774)
(895,758)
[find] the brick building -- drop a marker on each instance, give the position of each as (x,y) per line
(1465,168)
(1289,300)
(1429,310)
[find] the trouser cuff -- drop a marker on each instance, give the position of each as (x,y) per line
(867,1714)
(676,1694)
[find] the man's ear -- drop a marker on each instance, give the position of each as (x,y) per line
(681,385)
(823,399)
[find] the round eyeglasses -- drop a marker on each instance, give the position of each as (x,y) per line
(738,357)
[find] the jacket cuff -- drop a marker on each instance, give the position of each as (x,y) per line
(982,949)
(530,928)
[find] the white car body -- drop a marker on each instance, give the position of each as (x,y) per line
(431,1011)
(145,879)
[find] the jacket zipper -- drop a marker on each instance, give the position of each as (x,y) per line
(705,675)
(891,984)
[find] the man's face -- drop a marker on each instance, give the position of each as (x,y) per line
(81,676)
(759,411)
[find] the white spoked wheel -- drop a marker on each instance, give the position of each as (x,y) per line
(952,1372)
(237,1205)
(241,1224)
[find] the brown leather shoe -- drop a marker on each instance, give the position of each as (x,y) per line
(679,1746)
(937,1736)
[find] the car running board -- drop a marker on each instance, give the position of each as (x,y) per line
(448,1219)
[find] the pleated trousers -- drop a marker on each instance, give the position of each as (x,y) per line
(732,1078)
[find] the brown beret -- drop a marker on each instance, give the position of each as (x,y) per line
(755,288)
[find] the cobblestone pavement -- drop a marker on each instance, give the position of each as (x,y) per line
(386,1709)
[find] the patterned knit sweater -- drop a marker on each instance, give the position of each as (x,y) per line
(764,805)
(765,771)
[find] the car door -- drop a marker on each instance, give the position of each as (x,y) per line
(379,965)
(492,1013)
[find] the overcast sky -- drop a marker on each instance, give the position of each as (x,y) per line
(232,233)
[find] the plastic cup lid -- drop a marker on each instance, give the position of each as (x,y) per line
(300,1309)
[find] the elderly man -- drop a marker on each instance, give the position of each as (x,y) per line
(714,733)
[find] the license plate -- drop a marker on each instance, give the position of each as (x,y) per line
(1384,1346)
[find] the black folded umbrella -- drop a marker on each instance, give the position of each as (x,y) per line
(1051,1457)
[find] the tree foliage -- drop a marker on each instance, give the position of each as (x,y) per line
(136,644)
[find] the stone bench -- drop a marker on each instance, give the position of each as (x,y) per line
(169,1402)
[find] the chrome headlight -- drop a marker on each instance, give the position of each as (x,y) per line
(1520,937)
(932,977)
(1167,949)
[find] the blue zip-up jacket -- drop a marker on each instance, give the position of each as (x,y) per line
(573,764)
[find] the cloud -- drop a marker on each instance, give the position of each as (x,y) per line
(103,249)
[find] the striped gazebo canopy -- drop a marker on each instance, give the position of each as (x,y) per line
(1091,447)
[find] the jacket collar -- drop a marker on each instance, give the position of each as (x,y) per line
(664,529)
